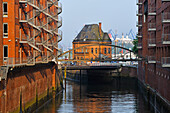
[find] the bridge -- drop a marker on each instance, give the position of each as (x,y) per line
(94,66)
(69,55)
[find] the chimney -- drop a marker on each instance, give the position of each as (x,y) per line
(100,28)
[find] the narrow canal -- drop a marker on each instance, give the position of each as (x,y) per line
(117,97)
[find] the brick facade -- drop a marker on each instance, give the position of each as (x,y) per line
(1,32)
(33,30)
(154,36)
(29,86)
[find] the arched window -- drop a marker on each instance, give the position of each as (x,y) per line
(91,50)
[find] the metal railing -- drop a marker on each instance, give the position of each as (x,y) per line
(139,44)
(152,42)
(151,58)
(104,64)
(152,10)
(166,16)
(59,7)
(59,33)
(165,61)
(165,0)
(139,34)
(139,12)
(151,26)
(139,24)
(166,38)
(139,2)
(51,29)
(11,62)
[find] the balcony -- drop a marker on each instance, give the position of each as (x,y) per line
(139,46)
(151,27)
(165,38)
(11,62)
(151,42)
(151,60)
(139,13)
(139,24)
(152,11)
(139,35)
(138,2)
(165,17)
(24,18)
(165,61)
(165,0)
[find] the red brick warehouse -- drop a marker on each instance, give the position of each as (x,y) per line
(154,44)
(29,37)
(31,31)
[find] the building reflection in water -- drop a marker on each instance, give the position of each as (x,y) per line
(121,96)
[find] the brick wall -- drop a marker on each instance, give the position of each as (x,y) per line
(89,55)
(30,84)
(24,39)
(129,72)
(154,74)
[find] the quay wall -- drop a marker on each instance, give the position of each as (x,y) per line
(27,88)
(129,71)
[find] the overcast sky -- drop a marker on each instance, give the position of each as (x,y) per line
(117,15)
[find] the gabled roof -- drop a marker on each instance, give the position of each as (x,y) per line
(91,33)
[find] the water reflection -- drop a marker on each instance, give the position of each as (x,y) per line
(94,98)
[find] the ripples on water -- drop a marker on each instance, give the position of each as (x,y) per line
(96,98)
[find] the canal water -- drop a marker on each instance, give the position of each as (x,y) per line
(117,97)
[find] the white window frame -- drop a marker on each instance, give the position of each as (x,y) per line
(5,58)
(5,14)
(3,31)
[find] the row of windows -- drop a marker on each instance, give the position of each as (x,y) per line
(5,14)
(105,50)
(5,30)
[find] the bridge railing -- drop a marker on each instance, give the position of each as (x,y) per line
(166,61)
(104,64)
(15,61)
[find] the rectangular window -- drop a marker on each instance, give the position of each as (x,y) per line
(91,50)
(5,54)
(109,50)
(105,50)
(5,30)
(5,9)
(96,50)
